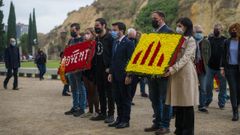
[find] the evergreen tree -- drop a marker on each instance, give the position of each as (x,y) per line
(11,31)
(34,29)
(30,34)
(24,43)
(2,45)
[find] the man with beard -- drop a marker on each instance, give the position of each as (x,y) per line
(102,62)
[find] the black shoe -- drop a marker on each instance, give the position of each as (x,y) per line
(144,95)
(109,119)
(222,107)
(66,94)
(16,88)
(122,125)
(235,114)
(151,129)
(114,124)
(98,118)
(78,113)
(204,110)
(70,112)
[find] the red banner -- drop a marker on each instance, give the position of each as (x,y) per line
(79,56)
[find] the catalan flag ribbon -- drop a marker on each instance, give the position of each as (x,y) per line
(155,53)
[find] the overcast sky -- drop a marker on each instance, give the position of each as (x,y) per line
(49,13)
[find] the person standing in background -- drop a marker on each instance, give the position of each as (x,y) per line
(12,63)
(41,60)
(230,67)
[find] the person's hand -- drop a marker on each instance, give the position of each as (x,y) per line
(222,72)
(110,78)
(128,80)
(168,72)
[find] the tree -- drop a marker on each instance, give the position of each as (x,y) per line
(24,43)
(34,29)
(11,31)
(2,45)
(30,34)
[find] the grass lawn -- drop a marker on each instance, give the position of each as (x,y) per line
(31,64)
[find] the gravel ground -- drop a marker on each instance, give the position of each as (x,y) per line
(38,109)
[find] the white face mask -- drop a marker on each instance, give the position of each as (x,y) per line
(13,43)
(179,30)
(87,36)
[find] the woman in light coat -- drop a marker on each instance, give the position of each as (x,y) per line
(182,91)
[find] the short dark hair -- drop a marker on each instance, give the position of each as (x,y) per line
(76,25)
(121,26)
(186,22)
(102,21)
(160,13)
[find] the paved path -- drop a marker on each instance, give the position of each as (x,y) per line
(37,109)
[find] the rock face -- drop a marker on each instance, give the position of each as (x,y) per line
(209,12)
(125,11)
(203,12)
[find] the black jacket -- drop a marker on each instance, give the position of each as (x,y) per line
(104,50)
(164,29)
(226,54)
(120,59)
(12,57)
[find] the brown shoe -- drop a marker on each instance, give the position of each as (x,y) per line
(162,131)
(151,129)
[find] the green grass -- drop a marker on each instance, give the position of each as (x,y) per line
(31,64)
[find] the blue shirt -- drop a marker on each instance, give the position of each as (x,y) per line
(233,60)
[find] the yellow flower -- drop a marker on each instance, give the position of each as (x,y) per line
(154,53)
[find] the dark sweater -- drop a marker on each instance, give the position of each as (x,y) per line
(216,44)
(12,57)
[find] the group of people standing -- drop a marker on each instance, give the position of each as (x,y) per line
(187,83)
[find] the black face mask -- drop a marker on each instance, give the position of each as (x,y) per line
(233,34)
(132,39)
(155,24)
(216,33)
(73,34)
(98,30)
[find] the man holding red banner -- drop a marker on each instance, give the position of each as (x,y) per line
(75,78)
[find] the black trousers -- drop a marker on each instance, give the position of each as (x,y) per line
(105,95)
(10,73)
(123,98)
(184,120)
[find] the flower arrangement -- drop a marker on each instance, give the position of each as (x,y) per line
(155,53)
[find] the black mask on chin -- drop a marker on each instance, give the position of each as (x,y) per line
(155,24)
(73,34)
(98,30)
(233,34)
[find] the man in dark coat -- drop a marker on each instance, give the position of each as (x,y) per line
(12,63)
(158,86)
(122,51)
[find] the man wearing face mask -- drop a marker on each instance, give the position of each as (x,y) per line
(75,78)
(103,61)
(158,86)
(122,52)
(12,63)
(203,53)
(216,42)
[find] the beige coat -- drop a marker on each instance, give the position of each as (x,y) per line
(183,82)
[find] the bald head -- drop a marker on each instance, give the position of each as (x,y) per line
(132,33)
